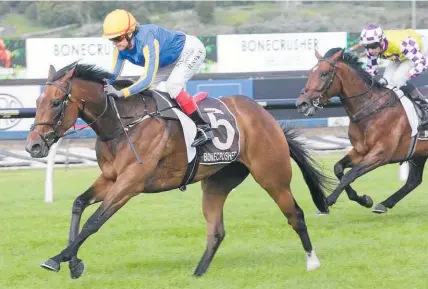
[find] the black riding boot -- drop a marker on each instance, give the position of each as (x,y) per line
(420,99)
(204,132)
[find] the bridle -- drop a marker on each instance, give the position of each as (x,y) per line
(360,114)
(316,102)
(54,135)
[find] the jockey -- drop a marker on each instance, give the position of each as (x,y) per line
(408,54)
(170,56)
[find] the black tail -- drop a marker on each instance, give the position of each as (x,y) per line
(316,180)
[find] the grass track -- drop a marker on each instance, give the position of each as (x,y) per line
(156,241)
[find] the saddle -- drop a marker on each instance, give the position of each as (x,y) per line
(225,146)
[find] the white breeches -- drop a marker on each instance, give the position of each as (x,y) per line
(173,77)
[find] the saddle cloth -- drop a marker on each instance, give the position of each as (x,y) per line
(224,148)
(414,114)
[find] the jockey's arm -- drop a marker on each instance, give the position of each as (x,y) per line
(151,56)
(118,63)
(372,65)
(411,51)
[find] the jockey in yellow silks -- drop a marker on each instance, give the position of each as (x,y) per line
(166,55)
(408,54)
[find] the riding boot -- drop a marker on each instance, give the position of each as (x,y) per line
(204,133)
(190,108)
(420,99)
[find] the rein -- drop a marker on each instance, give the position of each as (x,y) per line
(54,135)
(318,103)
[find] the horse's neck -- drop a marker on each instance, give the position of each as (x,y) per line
(104,121)
(101,117)
(358,96)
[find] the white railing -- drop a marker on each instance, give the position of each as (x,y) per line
(49,181)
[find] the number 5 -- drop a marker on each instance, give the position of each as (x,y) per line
(215,123)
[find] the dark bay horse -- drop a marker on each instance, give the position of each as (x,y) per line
(77,91)
(379,130)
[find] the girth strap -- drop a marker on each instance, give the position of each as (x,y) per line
(191,171)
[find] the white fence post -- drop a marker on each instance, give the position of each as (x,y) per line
(49,190)
(404,171)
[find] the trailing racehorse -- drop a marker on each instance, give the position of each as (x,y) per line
(264,151)
(379,129)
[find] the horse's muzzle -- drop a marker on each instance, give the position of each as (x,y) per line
(36,146)
(305,108)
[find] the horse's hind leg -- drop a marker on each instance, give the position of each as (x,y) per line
(296,218)
(215,191)
(346,162)
(93,195)
(414,179)
(273,173)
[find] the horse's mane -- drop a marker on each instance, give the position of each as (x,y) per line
(354,62)
(90,72)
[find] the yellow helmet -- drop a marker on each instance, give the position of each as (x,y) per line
(118,23)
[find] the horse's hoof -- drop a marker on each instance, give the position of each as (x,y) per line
(380,209)
(368,202)
(51,265)
(76,269)
(198,273)
(318,213)
(312,261)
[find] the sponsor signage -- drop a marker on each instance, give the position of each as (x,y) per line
(274,52)
(41,52)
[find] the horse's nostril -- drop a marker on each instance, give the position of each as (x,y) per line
(36,149)
(304,104)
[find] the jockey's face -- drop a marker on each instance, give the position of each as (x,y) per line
(374,49)
(120,42)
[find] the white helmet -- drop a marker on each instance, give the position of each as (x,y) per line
(371,34)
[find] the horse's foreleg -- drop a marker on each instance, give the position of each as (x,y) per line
(369,162)
(348,161)
(414,179)
(118,195)
(94,194)
(215,191)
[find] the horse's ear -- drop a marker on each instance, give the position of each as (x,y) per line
(338,54)
(70,73)
(317,54)
(52,72)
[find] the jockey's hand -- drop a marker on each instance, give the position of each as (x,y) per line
(110,90)
(383,81)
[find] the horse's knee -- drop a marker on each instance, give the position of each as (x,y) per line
(78,206)
(338,170)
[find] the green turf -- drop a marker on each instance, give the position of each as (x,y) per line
(155,241)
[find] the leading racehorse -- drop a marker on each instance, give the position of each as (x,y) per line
(379,129)
(265,149)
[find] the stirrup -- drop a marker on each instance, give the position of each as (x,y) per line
(204,136)
(423,123)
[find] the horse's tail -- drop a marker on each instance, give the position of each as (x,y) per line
(315,179)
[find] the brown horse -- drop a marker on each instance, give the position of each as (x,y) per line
(379,130)
(265,148)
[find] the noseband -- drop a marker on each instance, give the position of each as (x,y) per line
(316,102)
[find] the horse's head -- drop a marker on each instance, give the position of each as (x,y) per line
(56,112)
(322,83)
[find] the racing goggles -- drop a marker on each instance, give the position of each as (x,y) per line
(372,45)
(118,38)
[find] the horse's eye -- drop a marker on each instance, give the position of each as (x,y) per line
(324,73)
(56,103)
